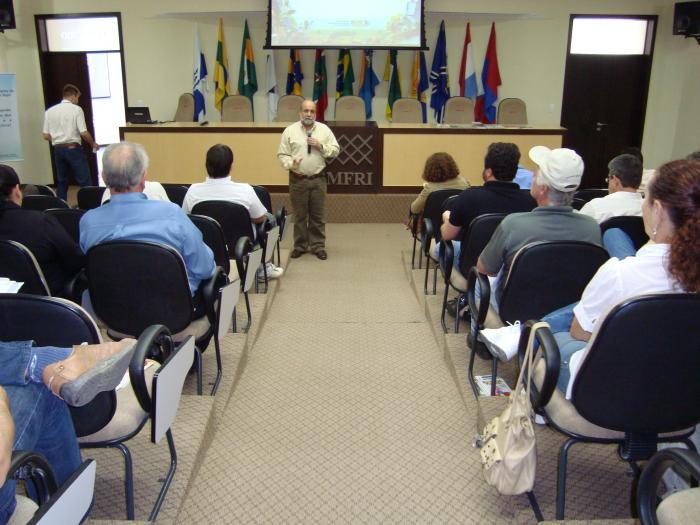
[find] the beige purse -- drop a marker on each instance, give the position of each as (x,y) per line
(508,452)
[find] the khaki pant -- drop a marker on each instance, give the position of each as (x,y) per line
(308,197)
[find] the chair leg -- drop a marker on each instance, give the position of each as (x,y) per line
(427,273)
(265,276)
(279,254)
(128,480)
(535,506)
(420,259)
(435,279)
(561,477)
(168,478)
(219,369)
(413,257)
(198,367)
(248,312)
(444,308)
(234,327)
(470,373)
(494,375)
(457,316)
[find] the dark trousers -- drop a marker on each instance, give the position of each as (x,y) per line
(308,197)
(67,160)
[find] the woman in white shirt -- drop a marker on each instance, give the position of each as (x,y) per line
(670,262)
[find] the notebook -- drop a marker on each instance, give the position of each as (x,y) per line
(139,115)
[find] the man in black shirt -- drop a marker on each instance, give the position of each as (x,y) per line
(499,194)
(57,253)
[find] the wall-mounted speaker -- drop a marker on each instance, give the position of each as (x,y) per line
(686,18)
(7,15)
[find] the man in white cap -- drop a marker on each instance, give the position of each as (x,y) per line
(553,185)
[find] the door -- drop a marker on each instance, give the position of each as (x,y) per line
(70,68)
(605,94)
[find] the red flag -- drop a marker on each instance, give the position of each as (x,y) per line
(320,95)
(485,107)
(463,65)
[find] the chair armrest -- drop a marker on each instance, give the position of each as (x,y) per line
(427,235)
(654,471)
(447,254)
(27,465)
(479,311)
(261,232)
(76,285)
(549,350)
(243,246)
(154,342)
(210,291)
(413,222)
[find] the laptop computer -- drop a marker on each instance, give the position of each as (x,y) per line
(139,115)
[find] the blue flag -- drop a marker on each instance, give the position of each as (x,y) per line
(368,81)
(199,79)
(439,77)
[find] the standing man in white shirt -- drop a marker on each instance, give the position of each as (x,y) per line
(305,148)
(64,127)
(624,177)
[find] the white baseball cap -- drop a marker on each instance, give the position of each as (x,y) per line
(562,168)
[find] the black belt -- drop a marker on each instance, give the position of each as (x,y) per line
(68,145)
(309,177)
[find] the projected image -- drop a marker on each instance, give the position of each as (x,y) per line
(343,23)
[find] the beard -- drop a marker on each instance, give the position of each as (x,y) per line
(308,121)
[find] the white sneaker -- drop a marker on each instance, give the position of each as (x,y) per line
(273,272)
(502,342)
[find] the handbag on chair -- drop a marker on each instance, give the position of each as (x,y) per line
(508,452)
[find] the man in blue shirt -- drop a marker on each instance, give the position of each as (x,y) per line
(130,215)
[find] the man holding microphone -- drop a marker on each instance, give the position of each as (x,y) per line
(305,148)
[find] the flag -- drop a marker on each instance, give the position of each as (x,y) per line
(368,81)
(439,77)
(391,73)
(271,87)
(419,82)
(469,83)
(221,80)
(294,74)
(247,79)
(199,79)
(320,96)
(345,76)
(485,107)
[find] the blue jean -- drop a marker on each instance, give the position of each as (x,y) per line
(618,243)
(67,160)
(457,247)
(42,421)
(567,347)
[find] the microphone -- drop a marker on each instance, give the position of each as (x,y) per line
(308,146)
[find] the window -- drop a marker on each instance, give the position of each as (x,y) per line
(609,36)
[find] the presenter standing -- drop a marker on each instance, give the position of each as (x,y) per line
(305,148)
(64,127)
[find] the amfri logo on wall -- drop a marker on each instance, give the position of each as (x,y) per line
(350,178)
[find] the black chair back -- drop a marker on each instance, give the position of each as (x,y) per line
(632,226)
(41,189)
(577,204)
(176,192)
(135,284)
(475,239)
(51,321)
(434,206)
(640,374)
(545,276)
(90,197)
(42,202)
(213,237)
(18,263)
(233,218)
(69,218)
(264,196)
(588,194)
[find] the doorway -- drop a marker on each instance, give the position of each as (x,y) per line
(606,82)
(85,50)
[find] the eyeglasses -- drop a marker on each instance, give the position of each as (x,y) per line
(609,178)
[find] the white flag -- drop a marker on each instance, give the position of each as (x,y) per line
(199,79)
(271,87)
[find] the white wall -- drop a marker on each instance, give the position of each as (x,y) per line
(531,34)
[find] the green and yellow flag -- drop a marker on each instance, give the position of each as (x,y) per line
(391,73)
(247,80)
(221,80)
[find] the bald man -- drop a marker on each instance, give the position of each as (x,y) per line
(305,148)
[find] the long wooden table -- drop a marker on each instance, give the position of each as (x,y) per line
(388,158)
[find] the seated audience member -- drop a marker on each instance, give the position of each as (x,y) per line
(624,177)
(152,189)
(130,215)
(499,194)
(33,380)
(646,173)
(219,186)
(694,156)
(440,173)
(56,252)
(557,177)
(668,263)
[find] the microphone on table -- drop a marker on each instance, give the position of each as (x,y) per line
(308,146)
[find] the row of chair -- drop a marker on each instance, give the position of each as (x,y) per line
(350,108)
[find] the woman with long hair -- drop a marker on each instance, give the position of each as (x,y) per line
(440,173)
